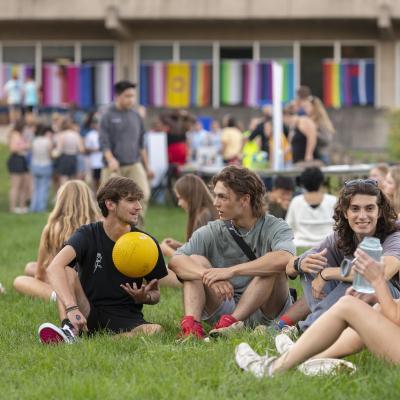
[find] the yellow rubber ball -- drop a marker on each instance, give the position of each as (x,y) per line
(135,254)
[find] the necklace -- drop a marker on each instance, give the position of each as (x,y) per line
(242,235)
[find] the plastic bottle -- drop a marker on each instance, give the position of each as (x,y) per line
(373,248)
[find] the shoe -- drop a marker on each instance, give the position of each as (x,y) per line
(326,366)
(248,360)
(291,331)
(51,334)
(226,325)
(2,289)
(191,327)
(283,343)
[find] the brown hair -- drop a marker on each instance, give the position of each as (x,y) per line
(394,171)
(242,181)
(199,199)
(115,189)
(386,222)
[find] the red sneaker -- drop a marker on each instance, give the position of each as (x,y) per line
(226,324)
(189,326)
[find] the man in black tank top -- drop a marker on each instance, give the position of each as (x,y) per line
(96,296)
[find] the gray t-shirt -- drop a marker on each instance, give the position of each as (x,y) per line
(122,132)
(390,246)
(215,242)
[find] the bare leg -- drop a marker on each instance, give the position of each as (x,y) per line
(30,268)
(32,287)
(197,297)
(170,280)
(268,293)
(298,311)
(376,331)
(13,195)
(145,329)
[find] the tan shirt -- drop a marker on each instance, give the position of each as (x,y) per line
(232,141)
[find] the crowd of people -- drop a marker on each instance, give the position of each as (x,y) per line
(235,265)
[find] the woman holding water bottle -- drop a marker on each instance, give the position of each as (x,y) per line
(362,213)
(347,328)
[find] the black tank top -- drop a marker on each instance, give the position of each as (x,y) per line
(299,143)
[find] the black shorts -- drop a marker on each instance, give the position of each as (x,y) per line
(17,164)
(113,318)
(67,165)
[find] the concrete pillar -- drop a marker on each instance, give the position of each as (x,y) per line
(386,74)
(124,58)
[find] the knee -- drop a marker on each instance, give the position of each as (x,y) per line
(345,303)
(30,268)
(201,260)
(19,283)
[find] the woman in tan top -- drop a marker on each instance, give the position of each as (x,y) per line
(231,140)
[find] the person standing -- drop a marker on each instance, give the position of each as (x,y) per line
(122,141)
(31,95)
(13,93)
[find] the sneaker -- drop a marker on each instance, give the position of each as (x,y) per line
(191,327)
(326,366)
(226,324)
(291,331)
(51,334)
(248,360)
(2,289)
(261,330)
(283,343)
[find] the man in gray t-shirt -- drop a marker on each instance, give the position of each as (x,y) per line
(122,141)
(362,210)
(221,285)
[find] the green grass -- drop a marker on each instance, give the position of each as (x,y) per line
(150,368)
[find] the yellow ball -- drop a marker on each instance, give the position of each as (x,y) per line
(135,254)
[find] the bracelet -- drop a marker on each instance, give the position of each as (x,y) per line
(320,272)
(72,308)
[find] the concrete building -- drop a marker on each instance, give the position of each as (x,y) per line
(131,34)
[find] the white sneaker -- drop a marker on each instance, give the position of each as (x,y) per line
(248,360)
(2,289)
(283,343)
(326,366)
(51,334)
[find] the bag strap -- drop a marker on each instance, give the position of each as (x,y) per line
(240,242)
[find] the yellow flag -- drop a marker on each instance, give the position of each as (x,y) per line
(178,85)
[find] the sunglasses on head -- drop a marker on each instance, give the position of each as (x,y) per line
(354,182)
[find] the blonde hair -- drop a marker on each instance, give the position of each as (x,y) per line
(320,116)
(75,206)
(395,198)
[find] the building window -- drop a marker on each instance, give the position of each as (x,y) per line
(356,52)
(156,53)
(93,53)
(276,52)
(58,54)
(19,54)
(194,53)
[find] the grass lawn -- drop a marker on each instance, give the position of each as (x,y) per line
(143,368)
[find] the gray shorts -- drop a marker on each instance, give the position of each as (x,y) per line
(257,318)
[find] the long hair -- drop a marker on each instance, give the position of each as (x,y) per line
(395,197)
(75,206)
(320,116)
(242,181)
(386,223)
(194,191)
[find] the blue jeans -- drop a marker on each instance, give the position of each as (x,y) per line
(41,182)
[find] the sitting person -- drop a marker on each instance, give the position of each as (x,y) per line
(280,196)
(362,210)
(195,198)
(310,215)
(347,328)
(97,296)
(220,284)
(74,207)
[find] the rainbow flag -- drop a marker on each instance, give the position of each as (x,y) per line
(200,84)
(348,83)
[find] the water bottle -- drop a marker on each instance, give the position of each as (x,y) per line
(373,248)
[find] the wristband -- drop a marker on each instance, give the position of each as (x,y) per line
(320,273)
(296,265)
(72,308)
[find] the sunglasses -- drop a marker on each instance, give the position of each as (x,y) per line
(354,182)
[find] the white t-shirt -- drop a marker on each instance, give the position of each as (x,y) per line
(311,225)
(13,88)
(92,142)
